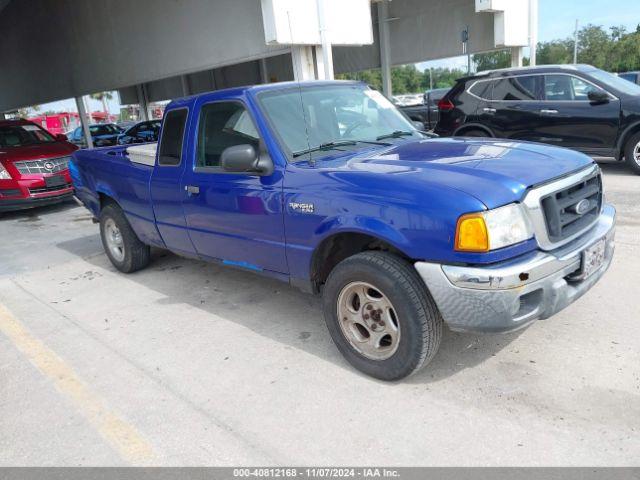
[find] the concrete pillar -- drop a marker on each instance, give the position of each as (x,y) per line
(326,52)
(84,121)
(142,102)
(184,81)
(516,57)
(264,71)
(385,55)
(533,31)
(303,63)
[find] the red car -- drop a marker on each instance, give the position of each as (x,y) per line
(34,166)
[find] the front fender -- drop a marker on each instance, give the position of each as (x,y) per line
(364,225)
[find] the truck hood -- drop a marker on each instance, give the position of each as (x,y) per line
(496,172)
(31,152)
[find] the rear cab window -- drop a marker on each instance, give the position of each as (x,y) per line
(170,152)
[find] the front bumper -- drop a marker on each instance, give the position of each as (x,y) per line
(12,204)
(509,295)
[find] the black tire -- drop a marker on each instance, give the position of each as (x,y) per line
(418,317)
(136,254)
(629,148)
(474,132)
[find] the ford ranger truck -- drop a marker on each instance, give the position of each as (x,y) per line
(327,186)
(33,166)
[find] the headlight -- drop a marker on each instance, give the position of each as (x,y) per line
(4,175)
(493,229)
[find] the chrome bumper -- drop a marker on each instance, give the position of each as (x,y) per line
(509,295)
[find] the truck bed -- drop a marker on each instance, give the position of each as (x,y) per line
(108,172)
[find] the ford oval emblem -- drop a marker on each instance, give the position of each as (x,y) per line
(582,207)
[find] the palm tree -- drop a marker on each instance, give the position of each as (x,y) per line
(103,97)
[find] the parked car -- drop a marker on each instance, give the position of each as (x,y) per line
(399,233)
(633,77)
(427,111)
(126,124)
(575,106)
(102,135)
(140,133)
(33,166)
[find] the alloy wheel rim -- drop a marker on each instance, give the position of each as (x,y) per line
(368,320)
(636,153)
(114,240)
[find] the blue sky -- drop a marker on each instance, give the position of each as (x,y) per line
(556,20)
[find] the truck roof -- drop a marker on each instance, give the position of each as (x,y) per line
(236,91)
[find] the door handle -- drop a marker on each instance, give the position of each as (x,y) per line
(192,189)
(489,110)
(544,111)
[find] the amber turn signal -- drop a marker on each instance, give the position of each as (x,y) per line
(472,234)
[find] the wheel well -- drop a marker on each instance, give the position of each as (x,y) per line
(105,200)
(336,248)
(626,137)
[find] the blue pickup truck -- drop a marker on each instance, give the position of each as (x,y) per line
(325,185)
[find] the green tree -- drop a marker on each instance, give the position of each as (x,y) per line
(102,97)
(492,60)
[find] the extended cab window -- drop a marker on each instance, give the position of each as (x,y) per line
(517,88)
(223,125)
(172,136)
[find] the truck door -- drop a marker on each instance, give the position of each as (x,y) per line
(235,218)
(165,187)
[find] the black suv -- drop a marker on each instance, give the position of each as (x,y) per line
(575,106)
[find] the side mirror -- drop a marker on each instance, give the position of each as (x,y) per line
(245,159)
(598,96)
(61,137)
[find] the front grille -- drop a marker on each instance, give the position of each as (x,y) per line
(560,208)
(47,165)
(9,192)
(35,191)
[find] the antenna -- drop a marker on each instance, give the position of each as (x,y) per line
(297,73)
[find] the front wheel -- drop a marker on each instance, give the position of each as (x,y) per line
(381,316)
(121,244)
(632,153)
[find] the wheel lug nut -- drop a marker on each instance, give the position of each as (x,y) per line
(369,307)
(381,323)
(366,317)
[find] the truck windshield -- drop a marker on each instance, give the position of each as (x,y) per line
(23,135)
(313,120)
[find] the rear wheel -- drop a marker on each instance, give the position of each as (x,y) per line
(632,153)
(381,316)
(121,244)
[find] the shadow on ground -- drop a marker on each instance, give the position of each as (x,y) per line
(34,214)
(273,309)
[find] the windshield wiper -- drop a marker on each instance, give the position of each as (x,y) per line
(395,134)
(337,143)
